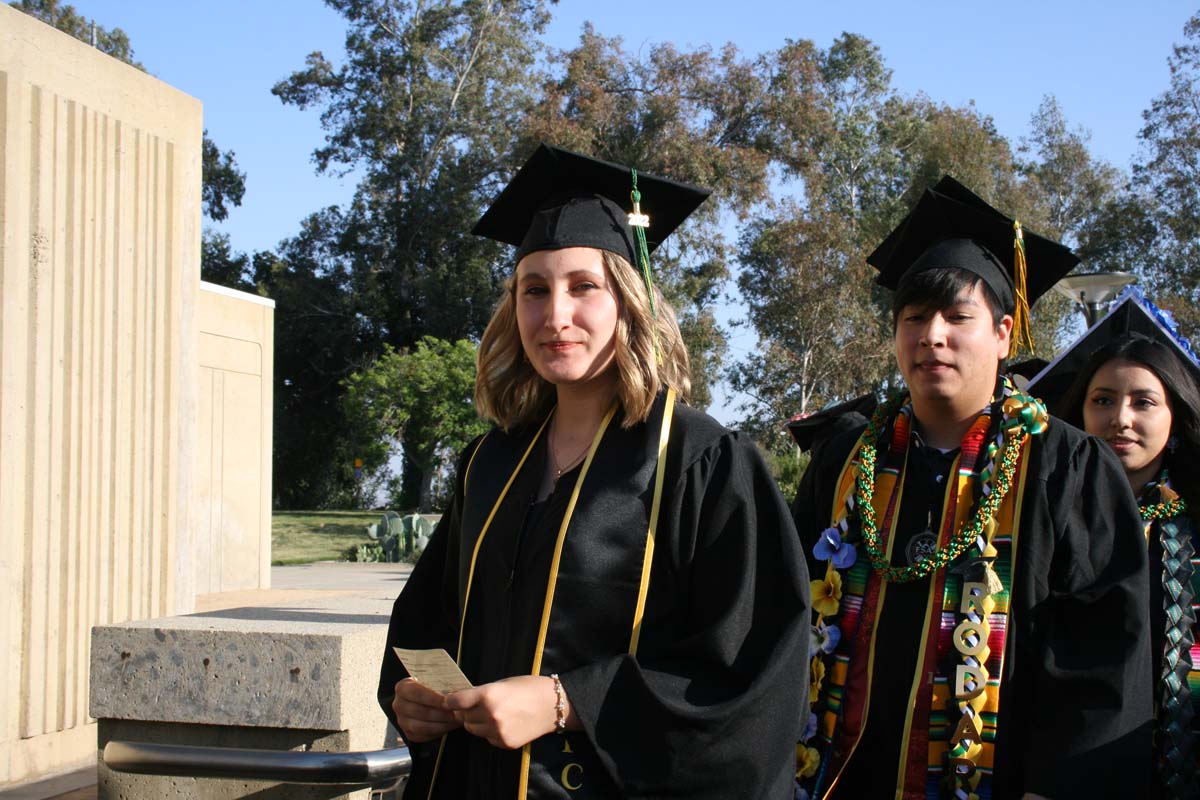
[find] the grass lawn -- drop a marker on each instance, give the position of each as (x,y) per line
(302,537)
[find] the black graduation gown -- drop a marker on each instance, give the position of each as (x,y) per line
(1075,699)
(713,701)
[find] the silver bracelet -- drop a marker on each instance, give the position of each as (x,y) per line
(560,705)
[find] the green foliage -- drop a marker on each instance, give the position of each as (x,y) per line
(223,185)
(221,265)
(695,115)
(860,155)
(839,132)
(420,399)
(787,466)
(368,552)
(323,333)
(808,292)
(809,149)
(1167,185)
(425,106)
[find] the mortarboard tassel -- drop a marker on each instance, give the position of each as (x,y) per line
(1021,330)
(639,222)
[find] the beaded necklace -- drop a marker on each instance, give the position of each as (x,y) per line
(1023,416)
(1165,509)
(981,599)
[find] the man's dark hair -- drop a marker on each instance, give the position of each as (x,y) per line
(941,288)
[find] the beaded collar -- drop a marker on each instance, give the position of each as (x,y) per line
(1171,504)
(1024,416)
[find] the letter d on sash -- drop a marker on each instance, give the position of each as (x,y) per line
(963,674)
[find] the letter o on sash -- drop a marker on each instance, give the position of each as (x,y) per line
(965,629)
(566,777)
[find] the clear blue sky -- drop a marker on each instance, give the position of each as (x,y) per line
(1103,60)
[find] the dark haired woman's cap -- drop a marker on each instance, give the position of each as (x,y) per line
(1128,318)
(1023,371)
(810,430)
(563,199)
(951,226)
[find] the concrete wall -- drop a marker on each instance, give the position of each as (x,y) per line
(232,509)
(99,269)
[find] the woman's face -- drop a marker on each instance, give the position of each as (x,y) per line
(1127,406)
(567,314)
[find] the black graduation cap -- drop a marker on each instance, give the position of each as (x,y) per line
(564,199)
(1131,316)
(1022,373)
(951,226)
(810,429)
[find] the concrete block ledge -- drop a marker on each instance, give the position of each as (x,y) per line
(297,675)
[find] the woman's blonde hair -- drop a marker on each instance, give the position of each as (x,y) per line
(510,392)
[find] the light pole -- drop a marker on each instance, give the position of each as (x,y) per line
(1093,291)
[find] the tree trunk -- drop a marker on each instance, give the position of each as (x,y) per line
(412,480)
(425,505)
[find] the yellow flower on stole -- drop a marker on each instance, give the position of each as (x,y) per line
(816,675)
(807,761)
(827,593)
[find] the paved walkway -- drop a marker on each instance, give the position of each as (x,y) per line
(288,584)
(323,579)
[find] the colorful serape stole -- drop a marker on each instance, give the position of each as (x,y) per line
(951,730)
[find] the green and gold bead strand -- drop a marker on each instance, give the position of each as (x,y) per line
(1015,436)
(1165,510)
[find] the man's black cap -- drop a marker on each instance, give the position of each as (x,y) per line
(951,226)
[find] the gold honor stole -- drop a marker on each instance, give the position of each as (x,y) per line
(950,729)
(600,608)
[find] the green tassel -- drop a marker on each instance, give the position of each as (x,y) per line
(643,256)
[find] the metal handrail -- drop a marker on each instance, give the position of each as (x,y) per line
(282,766)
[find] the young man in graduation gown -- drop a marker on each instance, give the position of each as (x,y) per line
(641,606)
(979,567)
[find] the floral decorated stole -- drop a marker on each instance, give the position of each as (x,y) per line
(950,732)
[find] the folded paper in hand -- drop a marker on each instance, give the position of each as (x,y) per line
(433,668)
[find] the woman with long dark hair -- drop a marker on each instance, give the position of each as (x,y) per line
(1139,393)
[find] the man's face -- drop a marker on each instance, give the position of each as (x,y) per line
(951,355)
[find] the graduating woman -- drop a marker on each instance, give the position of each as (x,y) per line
(1138,392)
(617,574)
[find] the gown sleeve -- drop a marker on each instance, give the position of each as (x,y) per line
(711,706)
(814,496)
(425,615)
(1089,721)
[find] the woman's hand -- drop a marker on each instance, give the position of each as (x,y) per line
(421,712)
(509,713)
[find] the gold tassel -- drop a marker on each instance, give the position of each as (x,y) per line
(1021,331)
(992,580)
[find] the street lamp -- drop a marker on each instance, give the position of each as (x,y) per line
(1093,291)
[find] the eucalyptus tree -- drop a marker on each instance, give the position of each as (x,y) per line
(423,107)
(695,115)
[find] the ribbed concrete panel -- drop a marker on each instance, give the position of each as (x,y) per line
(99,267)
(231,517)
